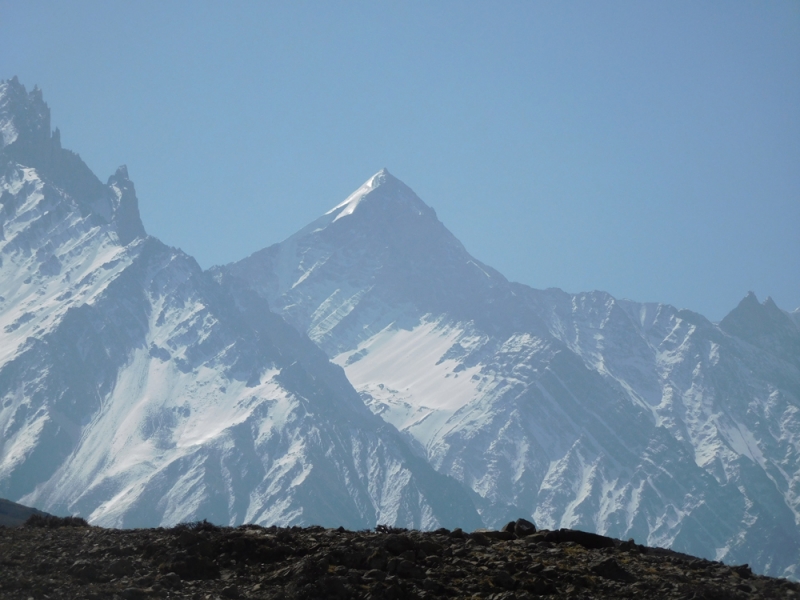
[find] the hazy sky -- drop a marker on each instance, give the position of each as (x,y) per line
(649,149)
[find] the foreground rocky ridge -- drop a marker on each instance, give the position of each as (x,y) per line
(48,559)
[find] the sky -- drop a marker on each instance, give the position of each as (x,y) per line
(648,149)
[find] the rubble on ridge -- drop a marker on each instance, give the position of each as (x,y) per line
(201,560)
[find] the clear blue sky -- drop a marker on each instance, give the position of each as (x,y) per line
(649,149)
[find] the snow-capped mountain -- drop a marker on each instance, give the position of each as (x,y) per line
(138,390)
(580,410)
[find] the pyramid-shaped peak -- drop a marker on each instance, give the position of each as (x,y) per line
(382,177)
(384,189)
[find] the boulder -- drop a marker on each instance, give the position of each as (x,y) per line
(523,528)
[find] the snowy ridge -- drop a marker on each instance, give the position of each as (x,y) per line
(580,410)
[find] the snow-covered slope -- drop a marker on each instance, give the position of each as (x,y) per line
(632,420)
(135,389)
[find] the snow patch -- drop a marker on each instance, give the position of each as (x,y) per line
(350,204)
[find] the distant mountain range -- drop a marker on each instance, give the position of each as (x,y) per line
(369,370)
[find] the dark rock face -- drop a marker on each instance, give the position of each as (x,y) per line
(201,560)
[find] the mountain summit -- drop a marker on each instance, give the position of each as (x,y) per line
(24,119)
(381,188)
(382,247)
(766,326)
(27,140)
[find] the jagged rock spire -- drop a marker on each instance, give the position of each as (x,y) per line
(27,140)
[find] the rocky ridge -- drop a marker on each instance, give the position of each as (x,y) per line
(46,559)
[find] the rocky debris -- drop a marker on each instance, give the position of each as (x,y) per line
(203,561)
